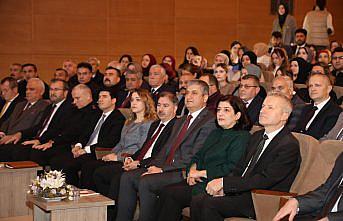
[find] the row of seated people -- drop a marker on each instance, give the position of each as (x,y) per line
(49,141)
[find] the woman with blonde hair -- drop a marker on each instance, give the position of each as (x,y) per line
(261,51)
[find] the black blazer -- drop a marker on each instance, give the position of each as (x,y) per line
(10,109)
(194,139)
(163,88)
(254,108)
(324,121)
(58,123)
(275,170)
(314,201)
(161,140)
(109,134)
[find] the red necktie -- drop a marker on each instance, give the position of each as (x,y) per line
(148,144)
(179,138)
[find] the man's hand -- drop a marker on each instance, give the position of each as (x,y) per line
(197,174)
(290,208)
(31,142)
(110,157)
(44,146)
(153,170)
(131,166)
(79,153)
(214,187)
(14,138)
(191,181)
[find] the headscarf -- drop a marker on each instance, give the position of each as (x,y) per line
(304,69)
(282,18)
(151,63)
(252,56)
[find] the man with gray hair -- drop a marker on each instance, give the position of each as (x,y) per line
(284,85)
(157,82)
(97,76)
(271,162)
(187,137)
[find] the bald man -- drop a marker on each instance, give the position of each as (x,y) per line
(319,117)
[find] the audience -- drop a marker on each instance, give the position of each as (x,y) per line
(271,162)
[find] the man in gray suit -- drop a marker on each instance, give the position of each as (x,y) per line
(336,133)
(26,114)
(187,137)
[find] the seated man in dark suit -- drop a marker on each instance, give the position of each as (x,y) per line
(337,64)
(248,92)
(55,120)
(276,41)
(214,91)
(284,85)
(31,71)
(323,203)
(157,82)
(318,118)
(112,80)
(107,178)
(187,137)
(26,114)
(9,92)
(300,41)
(97,76)
(133,80)
(102,130)
(272,161)
(183,81)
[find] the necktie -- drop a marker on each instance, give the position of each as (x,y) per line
(153,90)
(178,140)
(338,190)
(96,130)
(148,144)
(308,117)
(46,121)
(27,106)
(255,157)
(4,108)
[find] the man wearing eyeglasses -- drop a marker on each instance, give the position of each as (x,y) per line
(248,92)
(337,63)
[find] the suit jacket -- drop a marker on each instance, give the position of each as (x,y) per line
(323,122)
(109,134)
(194,139)
(23,119)
(314,201)
(332,135)
(121,96)
(295,117)
(57,125)
(10,109)
(276,168)
(254,108)
(213,101)
(161,140)
(163,88)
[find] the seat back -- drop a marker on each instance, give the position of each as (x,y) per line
(309,149)
(125,111)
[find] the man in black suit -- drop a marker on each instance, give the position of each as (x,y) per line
(97,76)
(9,92)
(300,40)
(112,80)
(276,41)
(183,81)
(31,71)
(187,137)
(321,116)
(102,130)
(284,85)
(133,80)
(214,91)
(337,64)
(248,91)
(323,203)
(55,119)
(271,162)
(157,79)
(158,134)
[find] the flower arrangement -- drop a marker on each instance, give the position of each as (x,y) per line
(51,185)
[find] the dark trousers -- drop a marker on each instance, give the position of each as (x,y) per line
(149,188)
(14,152)
(107,182)
(172,200)
(205,207)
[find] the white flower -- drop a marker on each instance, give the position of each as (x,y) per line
(63,191)
(53,191)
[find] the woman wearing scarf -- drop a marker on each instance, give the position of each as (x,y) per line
(285,24)
(300,70)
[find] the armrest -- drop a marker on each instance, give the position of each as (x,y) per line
(102,151)
(267,202)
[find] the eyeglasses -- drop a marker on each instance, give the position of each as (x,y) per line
(246,86)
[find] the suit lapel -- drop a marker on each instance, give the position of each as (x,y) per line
(321,114)
(196,123)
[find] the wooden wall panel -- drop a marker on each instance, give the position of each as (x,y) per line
(48,31)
